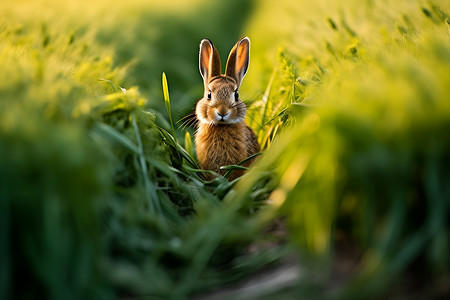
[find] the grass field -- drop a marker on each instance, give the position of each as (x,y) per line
(100,193)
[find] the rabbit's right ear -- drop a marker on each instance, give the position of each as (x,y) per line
(238,60)
(209,60)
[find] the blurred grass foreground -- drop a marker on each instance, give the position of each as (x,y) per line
(100,197)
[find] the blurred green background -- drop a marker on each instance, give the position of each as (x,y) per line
(100,197)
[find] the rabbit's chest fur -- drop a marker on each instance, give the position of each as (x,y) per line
(221,145)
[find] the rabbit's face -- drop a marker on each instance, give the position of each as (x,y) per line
(220,103)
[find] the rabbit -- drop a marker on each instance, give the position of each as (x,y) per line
(223,137)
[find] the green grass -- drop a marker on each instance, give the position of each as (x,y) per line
(100,192)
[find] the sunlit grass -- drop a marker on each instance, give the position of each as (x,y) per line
(365,109)
(102,197)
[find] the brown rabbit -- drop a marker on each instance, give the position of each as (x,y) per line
(222,137)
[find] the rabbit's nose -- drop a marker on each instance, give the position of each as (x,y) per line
(222,114)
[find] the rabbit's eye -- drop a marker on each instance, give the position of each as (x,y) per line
(236,95)
(209,95)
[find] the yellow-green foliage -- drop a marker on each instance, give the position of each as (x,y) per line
(99,200)
(373,75)
(368,148)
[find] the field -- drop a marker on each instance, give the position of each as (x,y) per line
(101,196)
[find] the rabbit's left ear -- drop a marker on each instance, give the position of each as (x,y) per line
(238,60)
(209,61)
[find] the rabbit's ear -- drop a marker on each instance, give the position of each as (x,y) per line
(209,60)
(238,60)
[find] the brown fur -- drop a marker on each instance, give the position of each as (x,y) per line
(223,138)
(221,145)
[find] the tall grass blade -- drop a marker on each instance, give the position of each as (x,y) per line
(167,101)
(150,191)
(180,151)
(110,83)
(115,136)
(265,98)
(230,168)
(188,144)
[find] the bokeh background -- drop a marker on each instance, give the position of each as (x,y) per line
(100,196)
